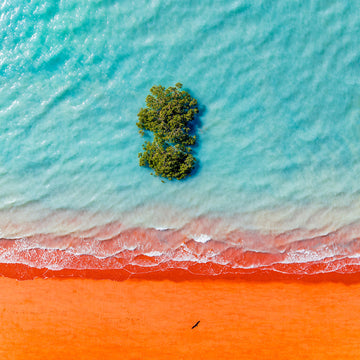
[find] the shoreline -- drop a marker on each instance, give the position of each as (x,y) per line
(24,272)
(133,319)
(108,253)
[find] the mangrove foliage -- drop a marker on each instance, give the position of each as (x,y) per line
(168,115)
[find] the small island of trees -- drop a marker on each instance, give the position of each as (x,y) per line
(167,115)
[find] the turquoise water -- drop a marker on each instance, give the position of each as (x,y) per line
(279,139)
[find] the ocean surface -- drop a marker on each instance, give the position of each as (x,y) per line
(277,187)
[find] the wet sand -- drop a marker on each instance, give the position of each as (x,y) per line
(144,319)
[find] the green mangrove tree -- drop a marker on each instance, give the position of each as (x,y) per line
(167,115)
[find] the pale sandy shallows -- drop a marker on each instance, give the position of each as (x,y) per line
(143,319)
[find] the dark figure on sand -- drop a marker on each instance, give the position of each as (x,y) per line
(195,325)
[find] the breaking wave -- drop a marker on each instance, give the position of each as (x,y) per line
(135,251)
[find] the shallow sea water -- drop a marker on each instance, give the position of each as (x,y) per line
(279,150)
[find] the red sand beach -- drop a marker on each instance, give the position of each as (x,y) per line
(152,319)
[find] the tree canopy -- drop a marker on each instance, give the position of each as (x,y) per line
(167,115)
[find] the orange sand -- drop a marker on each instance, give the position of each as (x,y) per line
(143,319)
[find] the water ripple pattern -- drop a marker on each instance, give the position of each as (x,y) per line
(279,140)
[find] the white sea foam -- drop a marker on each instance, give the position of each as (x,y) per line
(202,238)
(153,253)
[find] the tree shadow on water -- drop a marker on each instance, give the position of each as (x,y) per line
(195,127)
